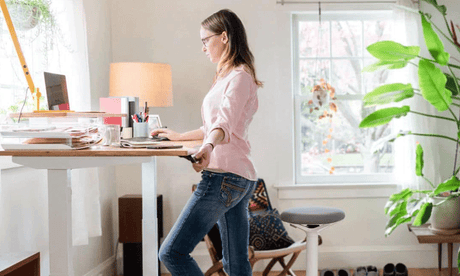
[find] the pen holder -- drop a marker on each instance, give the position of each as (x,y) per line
(140,129)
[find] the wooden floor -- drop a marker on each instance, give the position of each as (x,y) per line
(412,272)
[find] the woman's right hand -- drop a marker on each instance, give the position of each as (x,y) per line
(164,132)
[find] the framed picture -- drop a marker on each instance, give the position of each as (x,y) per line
(154,122)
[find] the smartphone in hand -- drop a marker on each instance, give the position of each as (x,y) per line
(190,158)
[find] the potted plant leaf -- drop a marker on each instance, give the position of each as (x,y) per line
(439,86)
(26,14)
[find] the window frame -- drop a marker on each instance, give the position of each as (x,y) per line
(298,98)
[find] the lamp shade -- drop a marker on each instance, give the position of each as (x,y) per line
(151,82)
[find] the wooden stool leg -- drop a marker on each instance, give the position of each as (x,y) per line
(450,249)
(439,256)
(269,266)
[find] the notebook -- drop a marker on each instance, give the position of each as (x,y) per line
(141,142)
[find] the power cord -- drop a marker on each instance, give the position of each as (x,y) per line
(25,99)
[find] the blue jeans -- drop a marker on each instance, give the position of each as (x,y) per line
(221,198)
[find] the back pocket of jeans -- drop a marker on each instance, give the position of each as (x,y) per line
(231,190)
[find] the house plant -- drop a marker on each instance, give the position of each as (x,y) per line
(33,19)
(26,14)
(441,89)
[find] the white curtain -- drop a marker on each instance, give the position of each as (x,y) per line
(406,26)
(86,210)
(70,16)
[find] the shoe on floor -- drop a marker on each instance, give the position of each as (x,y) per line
(343,272)
(372,271)
(401,270)
(389,270)
(360,271)
(327,272)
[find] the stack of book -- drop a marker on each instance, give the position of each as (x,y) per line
(50,137)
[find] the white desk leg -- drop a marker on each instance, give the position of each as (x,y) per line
(60,222)
(149,219)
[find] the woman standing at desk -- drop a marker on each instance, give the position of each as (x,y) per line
(228,175)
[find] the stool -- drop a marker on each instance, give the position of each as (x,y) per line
(311,220)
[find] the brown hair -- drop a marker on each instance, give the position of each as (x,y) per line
(237,53)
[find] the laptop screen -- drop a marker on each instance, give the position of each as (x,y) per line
(56,92)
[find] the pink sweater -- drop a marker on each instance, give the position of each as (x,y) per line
(230,105)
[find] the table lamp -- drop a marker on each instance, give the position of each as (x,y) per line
(151,82)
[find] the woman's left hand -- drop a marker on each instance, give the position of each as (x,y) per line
(203,157)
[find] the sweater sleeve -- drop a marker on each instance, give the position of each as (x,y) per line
(234,100)
(202,129)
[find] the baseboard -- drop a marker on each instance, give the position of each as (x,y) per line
(334,257)
(105,268)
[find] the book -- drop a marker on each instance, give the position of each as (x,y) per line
(117,105)
(133,109)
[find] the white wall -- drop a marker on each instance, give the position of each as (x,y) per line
(24,192)
(168,32)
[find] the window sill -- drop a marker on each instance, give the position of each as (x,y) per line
(330,191)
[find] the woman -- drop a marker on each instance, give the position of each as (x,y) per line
(228,176)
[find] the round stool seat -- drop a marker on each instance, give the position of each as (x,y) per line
(312,215)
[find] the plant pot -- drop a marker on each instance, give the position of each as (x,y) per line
(445,218)
(24,17)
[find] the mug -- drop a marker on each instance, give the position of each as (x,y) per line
(127,133)
(141,129)
(111,135)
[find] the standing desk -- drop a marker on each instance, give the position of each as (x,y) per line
(58,163)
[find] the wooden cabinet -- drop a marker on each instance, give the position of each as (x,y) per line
(20,264)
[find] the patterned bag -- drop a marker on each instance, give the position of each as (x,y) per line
(267,231)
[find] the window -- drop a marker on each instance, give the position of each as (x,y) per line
(329,145)
(36,40)
(53,40)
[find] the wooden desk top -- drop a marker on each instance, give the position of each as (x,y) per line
(54,114)
(424,235)
(99,150)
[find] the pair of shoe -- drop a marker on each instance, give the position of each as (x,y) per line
(392,270)
(340,272)
(370,270)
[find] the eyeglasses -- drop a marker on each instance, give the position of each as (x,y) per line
(205,40)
